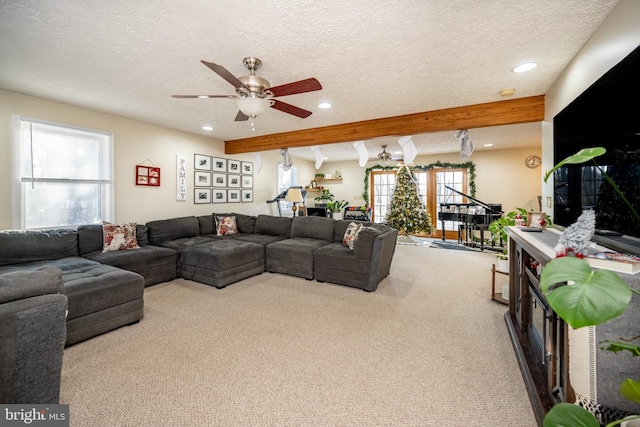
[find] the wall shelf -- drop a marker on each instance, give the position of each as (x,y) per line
(320,181)
(327,180)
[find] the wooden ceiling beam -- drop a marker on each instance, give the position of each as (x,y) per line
(499,113)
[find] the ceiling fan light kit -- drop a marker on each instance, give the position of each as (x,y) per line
(253,107)
(384,156)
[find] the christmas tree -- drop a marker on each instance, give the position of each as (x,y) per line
(406,213)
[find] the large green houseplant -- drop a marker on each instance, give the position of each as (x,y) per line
(324,198)
(337,205)
(583,297)
(497,228)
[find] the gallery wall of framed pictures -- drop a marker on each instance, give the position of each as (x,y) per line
(219,180)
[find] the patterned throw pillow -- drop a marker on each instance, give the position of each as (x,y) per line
(350,234)
(226,225)
(119,237)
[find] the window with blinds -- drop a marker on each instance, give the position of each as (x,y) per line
(64,175)
(286,179)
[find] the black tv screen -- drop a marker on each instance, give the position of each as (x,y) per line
(606,115)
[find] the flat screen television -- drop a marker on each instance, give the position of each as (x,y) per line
(606,115)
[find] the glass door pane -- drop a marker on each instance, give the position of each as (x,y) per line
(454,178)
(432,190)
(382,190)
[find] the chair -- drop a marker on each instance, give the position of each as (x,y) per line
(32,335)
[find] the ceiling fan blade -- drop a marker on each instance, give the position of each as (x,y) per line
(205,96)
(290,109)
(241,117)
(302,86)
(222,72)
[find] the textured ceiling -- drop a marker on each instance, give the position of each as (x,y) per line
(373,59)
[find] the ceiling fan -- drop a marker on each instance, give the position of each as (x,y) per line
(254,94)
(386,157)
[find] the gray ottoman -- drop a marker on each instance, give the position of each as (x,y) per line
(222,262)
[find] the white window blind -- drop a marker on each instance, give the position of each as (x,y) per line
(286,179)
(65,175)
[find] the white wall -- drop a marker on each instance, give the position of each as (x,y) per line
(501,177)
(618,35)
(135,143)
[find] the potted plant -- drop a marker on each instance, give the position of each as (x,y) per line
(324,198)
(594,297)
(336,207)
(497,227)
(499,235)
(503,260)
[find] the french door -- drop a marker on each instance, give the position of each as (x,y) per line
(454,178)
(381,189)
(432,192)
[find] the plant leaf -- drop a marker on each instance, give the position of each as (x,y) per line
(592,298)
(569,415)
(616,347)
(630,389)
(581,156)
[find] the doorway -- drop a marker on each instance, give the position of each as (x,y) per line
(432,192)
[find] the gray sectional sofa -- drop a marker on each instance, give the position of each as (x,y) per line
(100,297)
(32,335)
(105,290)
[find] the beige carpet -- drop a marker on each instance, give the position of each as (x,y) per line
(428,348)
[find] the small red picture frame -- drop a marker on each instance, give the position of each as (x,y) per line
(148,175)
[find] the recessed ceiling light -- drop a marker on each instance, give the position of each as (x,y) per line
(507,92)
(203,96)
(488,145)
(207,127)
(324,105)
(524,67)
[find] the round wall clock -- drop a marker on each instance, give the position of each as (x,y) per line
(533,162)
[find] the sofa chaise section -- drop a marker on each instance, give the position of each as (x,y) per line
(100,297)
(154,263)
